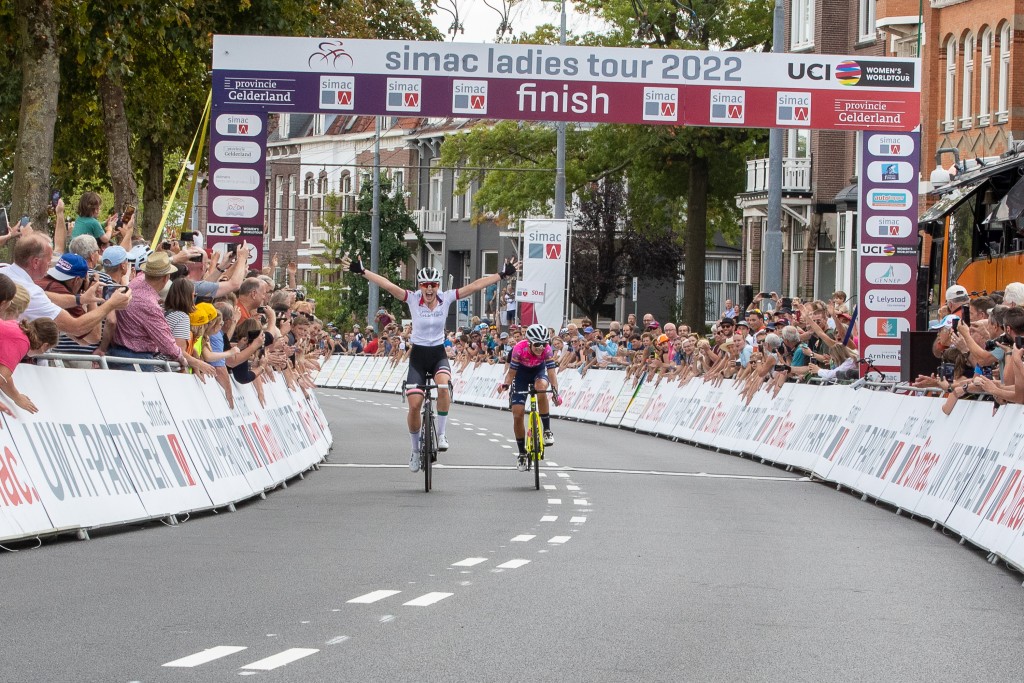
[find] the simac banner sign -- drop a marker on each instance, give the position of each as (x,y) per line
(544,257)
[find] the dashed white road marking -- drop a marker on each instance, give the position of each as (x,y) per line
(428,599)
(581,501)
(549,487)
(493,440)
(374,597)
(554,501)
(549,518)
(207,655)
(281,658)
(563,475)
(470,562)
(337,640)
(513,564)
(572,487)
(523,538)
(552,464)
(577,520)
(559,539)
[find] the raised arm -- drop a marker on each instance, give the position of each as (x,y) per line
(507,270)
(356,266)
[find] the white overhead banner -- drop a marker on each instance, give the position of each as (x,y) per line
(545,253)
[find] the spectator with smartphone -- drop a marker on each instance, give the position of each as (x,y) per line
(87,222)
(18,340)
(957,300)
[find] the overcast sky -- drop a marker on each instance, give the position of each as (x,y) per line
(481,22)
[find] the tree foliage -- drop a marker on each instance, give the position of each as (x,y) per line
(344,297)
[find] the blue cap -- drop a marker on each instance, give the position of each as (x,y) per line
(69,267)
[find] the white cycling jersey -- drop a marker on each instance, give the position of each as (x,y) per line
(428,325)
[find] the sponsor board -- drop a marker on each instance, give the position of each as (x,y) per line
(889,200)
(889,227)
(236,179)
(233,230)
(886,328)
(279,92)
(404,94)
(235,206)
(237,152)
(338,92)
(890,172)
(888,273)
(469,97)
(728,106)
(244,125)
(793,109)
(661,104)
(877,250)
(883,354)
(890,145)
(887,300)
(531,293)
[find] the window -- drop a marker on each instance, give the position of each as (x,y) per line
(797,238)
(985,92)
(293,205)
(798,143)
(321,185)
(866,21)
(398,182)
(283,124)
(318,124)
(309,184)
(436,198)
(278,206)
(721,282)
(801,24)
(1003,107)
(456,198)
(947,118)
(966,108)
(467,203)
(345,186)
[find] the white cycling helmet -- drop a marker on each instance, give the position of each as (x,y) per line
(537,334)
(428,275)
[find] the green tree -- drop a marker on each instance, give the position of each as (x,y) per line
(345,296)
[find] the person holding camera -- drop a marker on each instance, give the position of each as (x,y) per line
(958,306)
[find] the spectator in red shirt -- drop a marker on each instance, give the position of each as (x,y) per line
(142,331)
(372,344)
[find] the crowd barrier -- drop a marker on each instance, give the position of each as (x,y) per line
(109,447)
(962,471)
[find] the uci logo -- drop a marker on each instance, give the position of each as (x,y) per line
(813,72)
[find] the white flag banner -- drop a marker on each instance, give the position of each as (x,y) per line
(545,251)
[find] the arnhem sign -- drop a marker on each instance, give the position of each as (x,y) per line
(254,75)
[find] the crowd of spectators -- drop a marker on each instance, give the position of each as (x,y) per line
(99,295)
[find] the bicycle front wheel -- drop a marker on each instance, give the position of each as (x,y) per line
(428,450)
(535,447)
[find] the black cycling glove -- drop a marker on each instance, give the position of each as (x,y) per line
(356,265)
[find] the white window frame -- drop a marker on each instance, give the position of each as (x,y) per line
(866,21)
(793,139)
(436,197)
(398,182)
(801,34)
(456,197)
(1003,106)
(283,124)
(278,205)
(293,205)
(950,94)
(467,203)
(967,86)
(985,86)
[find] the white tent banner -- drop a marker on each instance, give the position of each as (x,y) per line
(545,254)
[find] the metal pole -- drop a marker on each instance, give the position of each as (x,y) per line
(374,301)
(560,146)
(771,268)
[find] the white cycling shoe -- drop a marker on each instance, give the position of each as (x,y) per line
(414,462)
(549,438)
(522,464)
(442,442)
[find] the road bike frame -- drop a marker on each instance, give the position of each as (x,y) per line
(534,432)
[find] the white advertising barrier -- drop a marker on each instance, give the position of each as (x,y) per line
(650,417)
(313,403)
(570,386)
(678,403)
(383,376)
(140,425)
(21,509)
(264,443)
(995,495)
(326,369)
(352,370)
(643,394)
(224,461)
(736,425)
(293,426)
(622,401)
(339,371)
(600,387)
(396,382)
(70,456)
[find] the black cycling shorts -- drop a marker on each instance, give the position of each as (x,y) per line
(523,379)
(424,360)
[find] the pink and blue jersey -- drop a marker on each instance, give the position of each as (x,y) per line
(524,357)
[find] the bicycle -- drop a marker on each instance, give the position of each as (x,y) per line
(428,433)
(534,432)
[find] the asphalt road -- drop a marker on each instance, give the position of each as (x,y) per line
(645,560)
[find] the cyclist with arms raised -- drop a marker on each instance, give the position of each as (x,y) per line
(531,362)
(428,309)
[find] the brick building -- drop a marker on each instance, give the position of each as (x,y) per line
(970,102)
